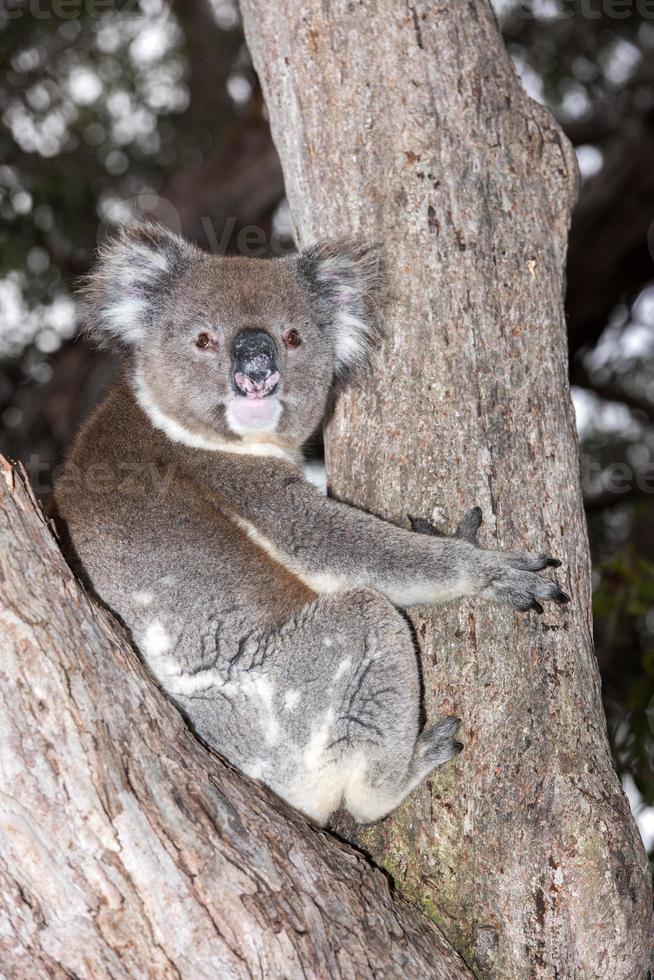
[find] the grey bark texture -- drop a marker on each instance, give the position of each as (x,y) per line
(128,850)
(405,123)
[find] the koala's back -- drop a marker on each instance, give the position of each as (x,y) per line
(157,548)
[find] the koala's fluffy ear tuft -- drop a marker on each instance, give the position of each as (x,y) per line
(133,274)
(345,280)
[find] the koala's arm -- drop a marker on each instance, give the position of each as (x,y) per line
(332,545)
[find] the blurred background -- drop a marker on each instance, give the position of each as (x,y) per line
(108,108)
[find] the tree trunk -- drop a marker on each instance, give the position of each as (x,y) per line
(405,122)
(127,850)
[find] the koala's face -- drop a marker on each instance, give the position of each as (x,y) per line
(237,352)
(236,349)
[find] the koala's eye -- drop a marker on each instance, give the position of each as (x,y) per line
(205,342)
(292,339)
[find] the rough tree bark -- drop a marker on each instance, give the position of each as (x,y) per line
(405,122)
(127,850)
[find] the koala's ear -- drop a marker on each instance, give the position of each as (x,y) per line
(133,275)
(345,279)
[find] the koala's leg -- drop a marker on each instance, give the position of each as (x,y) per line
(386,768)
(351,678)
(371,794)
(324,709)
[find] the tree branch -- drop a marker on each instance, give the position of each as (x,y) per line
(593,129)
(126,848)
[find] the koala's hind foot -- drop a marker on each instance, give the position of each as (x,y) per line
(436,745)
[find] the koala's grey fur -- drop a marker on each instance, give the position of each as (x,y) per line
(265,610)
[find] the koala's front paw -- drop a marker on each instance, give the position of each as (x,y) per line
(507,576)
(514,579)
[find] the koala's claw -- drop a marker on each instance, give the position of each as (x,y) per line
(530,562)
(422,526)
(466,529)
(519,584)
(437,744)
(469,525)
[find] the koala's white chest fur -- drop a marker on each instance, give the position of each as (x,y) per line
(323,583)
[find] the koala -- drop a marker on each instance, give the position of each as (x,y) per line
(268,612)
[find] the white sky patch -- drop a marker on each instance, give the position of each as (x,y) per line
(45,325)
(620,61)
(590,160)
(162,88)
(531,81)
(643,308)
(84,86)
(622,341)
(596,415)
(120,102)
(575,102)
(152,43)
(225,13)
(108,37)
(282,220)
(585,406)
(239,88)
(644,815)
(618,345)
(316,474)
(21,202)
(38,97)
(35,134)
(504,7)
(26,60)
(546,9)
(133,125)
(114,210)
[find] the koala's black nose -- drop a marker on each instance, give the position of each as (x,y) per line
(254,361)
